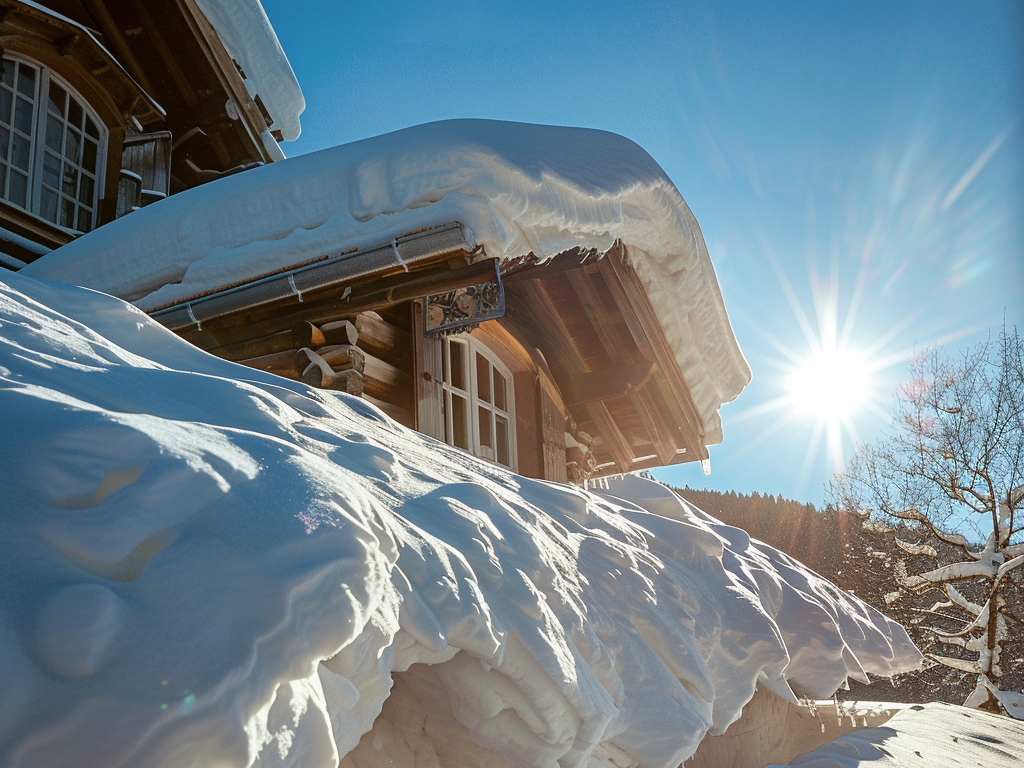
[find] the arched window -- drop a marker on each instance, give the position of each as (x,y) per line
(477,400)
(51,146)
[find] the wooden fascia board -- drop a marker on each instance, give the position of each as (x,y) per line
(221,61)
(654,423)
(336,303)
(643,323)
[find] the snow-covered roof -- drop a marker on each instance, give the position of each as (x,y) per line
(517,189)
(207,565)
(245,30)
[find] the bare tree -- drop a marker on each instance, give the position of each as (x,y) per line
(951,475)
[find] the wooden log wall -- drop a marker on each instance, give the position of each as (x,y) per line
(369,355)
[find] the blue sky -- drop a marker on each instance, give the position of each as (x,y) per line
(852,165)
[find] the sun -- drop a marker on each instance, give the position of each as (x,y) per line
(831,384)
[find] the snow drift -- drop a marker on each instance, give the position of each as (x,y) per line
(517,189)
(206,565)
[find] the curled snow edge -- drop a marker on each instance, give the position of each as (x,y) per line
(517,189)
(206,565)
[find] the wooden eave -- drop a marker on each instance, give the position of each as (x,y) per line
(174,52)
(229,322)
(587,314)
(590,317)
(63,45)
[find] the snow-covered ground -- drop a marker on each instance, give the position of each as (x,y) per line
(518,189)
(206,565)
(934,735)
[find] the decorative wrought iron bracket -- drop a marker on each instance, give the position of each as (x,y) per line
(463,309)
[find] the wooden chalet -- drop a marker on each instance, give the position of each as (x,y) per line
(109,105)
(559,370)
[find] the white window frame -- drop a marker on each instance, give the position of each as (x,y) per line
(33,203)
(472,347)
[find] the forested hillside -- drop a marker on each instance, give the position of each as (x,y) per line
(862,561)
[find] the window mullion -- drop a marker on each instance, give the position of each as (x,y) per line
(471,388)
(35,170)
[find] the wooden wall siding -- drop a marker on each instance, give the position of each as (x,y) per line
(551,417)
(382,371)
(386,336)
(149,156)
(370,293)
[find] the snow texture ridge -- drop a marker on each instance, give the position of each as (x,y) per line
(517,188)
(203,564)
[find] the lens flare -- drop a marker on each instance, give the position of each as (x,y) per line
(831,384)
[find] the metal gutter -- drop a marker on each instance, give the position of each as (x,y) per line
(340,269)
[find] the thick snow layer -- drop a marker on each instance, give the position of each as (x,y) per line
(934,735)
(203,564)
(518,189)
(245,30)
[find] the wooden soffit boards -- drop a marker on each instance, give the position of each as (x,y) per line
(591,319)
(74,52)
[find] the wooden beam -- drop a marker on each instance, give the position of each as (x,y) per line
(167,56)
(605,384)
(644,324)
(661,439)
(567,357)
(112,36)
(281,363)
(327,304)
(599,317)
(379,337)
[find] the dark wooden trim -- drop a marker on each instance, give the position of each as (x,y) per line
(646,329)
(593,386)
(326,305)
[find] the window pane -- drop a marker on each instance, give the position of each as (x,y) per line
(57,98)
(90,128)
(89,156)
(72,145)
(21,151)
(483,378)
(9,67)
(458,364)
(84,219)
(3,179)
(6,100)
(23,116)
(501,439)
(70,187)
(26,80)
(75,113)
(19,189)
(51,172)
(85,191)
(48,205)
(54,133)
(67,214)
(486,441)
(499,391)
(5,142)
(460,423)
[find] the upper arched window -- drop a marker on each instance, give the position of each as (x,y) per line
(51,146)
(478,400)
